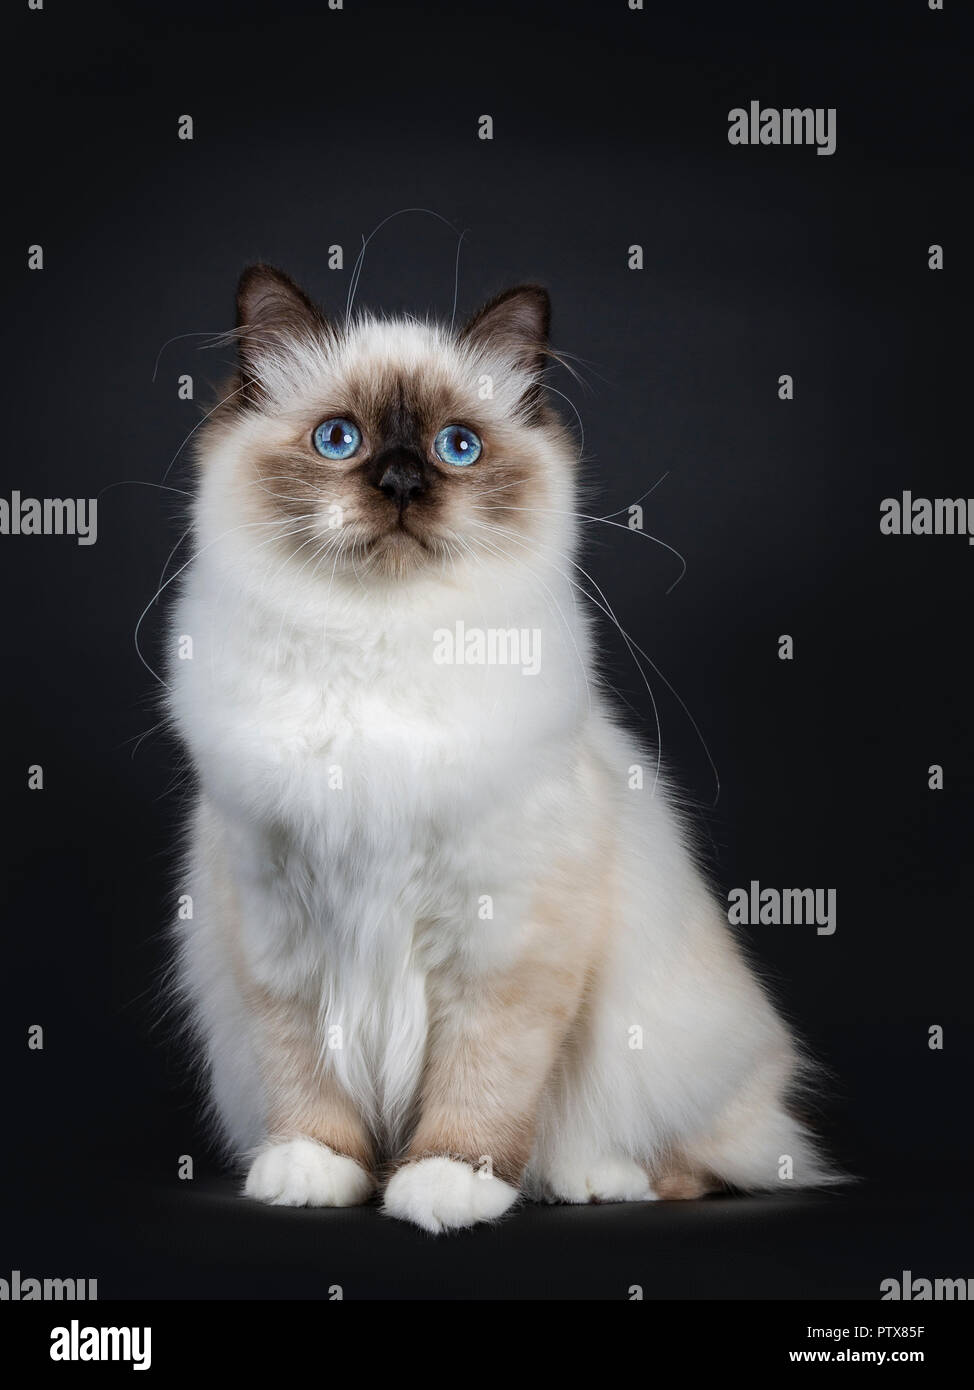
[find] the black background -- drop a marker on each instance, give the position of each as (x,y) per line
(610,129)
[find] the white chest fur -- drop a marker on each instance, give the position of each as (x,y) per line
(372,798)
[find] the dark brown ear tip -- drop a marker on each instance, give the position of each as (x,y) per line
(544,299)
(540,296)
(252,278)
(260,273)
(257,270)
(529,290)
(530,294)
(266,293)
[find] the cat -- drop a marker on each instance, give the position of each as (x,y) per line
(441,945)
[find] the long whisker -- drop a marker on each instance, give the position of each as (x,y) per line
(634,645)
(568,627)
(627,505)
(581,427)
(290,529)
(582,516)
(200,423)
(221,337)
(605,608)
(175,339)
(168,560)
(357,268)
(141,482)
(245,526)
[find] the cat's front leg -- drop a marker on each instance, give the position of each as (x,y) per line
(318,1152)
(493,1041)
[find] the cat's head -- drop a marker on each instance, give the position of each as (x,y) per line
(387,448)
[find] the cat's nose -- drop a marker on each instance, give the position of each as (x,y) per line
(402,482)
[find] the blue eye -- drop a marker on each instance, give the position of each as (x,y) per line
(457,445)
(337,439)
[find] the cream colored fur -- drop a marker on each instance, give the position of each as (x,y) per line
(444,962)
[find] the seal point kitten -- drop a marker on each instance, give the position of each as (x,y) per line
(441,943)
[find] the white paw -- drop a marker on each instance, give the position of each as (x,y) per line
(303,1173)
(599,1180)
(442,1194)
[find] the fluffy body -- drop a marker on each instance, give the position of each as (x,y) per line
(430,912)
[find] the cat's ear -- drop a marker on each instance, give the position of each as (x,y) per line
(517,323)
(272,311)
